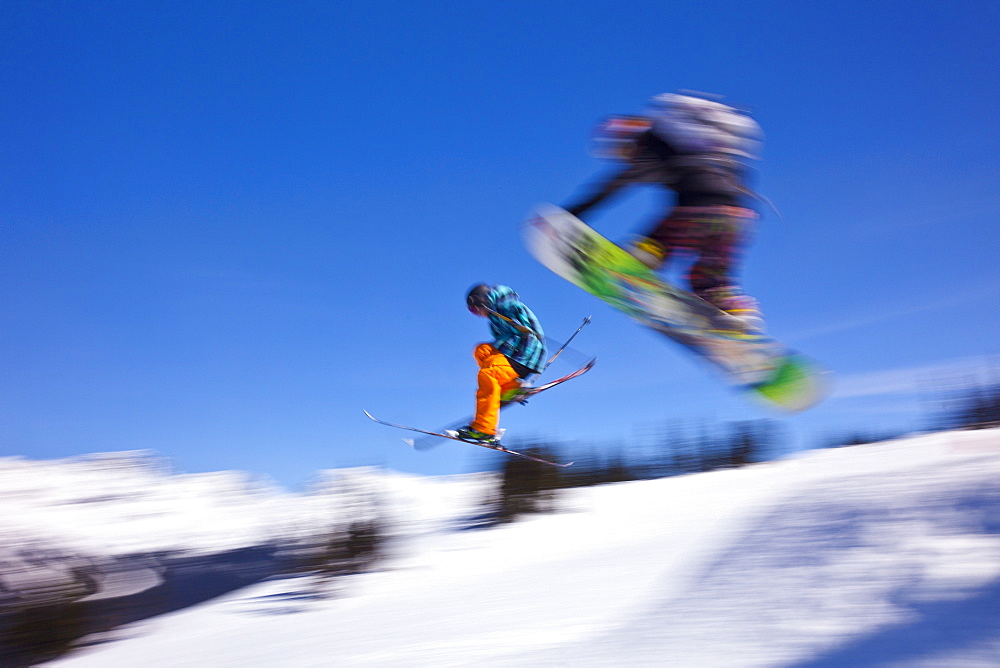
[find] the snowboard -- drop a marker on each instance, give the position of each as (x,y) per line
(750,359)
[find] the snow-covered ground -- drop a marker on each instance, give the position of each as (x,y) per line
(871,555)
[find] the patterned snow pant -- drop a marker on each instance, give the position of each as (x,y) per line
(717,235)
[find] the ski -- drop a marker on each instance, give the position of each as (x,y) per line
(528,392)
(428,442)
(491,446)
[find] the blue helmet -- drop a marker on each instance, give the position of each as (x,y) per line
(478,298)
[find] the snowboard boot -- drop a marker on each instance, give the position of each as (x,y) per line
(467,433)
(742,312)
(647,251)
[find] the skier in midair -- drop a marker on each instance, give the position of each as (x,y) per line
(698,149)
(516,353)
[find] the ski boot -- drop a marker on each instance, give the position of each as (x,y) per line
(518,395)
(467,433)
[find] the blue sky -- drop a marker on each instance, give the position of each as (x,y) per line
(228,227)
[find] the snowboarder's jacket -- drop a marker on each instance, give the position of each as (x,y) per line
(524,350)
(698,180)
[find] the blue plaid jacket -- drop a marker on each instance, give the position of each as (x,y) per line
(526,349)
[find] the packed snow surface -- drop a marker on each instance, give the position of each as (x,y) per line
(883,554)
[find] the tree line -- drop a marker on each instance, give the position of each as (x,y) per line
(526,486)
(529,487)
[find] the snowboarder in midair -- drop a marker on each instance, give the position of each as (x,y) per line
(697,148)
(516,353)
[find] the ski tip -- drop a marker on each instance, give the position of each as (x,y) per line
(410,442)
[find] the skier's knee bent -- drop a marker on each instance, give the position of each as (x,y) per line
(496,377)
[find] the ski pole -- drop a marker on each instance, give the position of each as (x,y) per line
(527,330)
(586,321)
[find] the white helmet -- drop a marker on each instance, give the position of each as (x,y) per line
(696,125)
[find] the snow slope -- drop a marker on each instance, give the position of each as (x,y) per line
(871,555)
(117,504)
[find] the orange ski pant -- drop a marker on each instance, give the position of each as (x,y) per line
(496,376)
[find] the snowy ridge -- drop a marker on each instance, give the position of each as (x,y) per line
(124,503)
(110,525)
(870,555)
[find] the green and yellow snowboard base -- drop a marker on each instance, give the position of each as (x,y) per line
(751,360)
